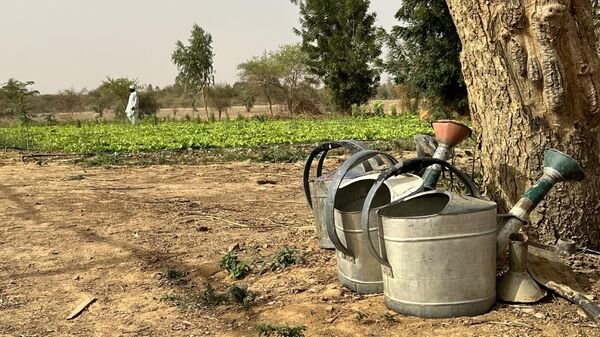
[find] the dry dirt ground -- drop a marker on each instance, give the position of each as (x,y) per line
(67,232)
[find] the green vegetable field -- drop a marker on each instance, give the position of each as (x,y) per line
(117,137)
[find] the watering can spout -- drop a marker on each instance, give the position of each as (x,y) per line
(557,167)
(448,133)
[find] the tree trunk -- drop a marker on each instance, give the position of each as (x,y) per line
(532,73)
(270,105)
(204,102)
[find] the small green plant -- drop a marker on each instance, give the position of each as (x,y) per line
(388,317)
(240,117)
(281,260)
(234,266)
(192,301)
(261,118)
(212,117)
(173,274)
(241,295)
(379,108)
(393,110)
(268,330)
(355,110)
(211,298)
(360,316)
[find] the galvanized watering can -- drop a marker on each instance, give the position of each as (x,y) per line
(436,248)
(358,270)
(315,190)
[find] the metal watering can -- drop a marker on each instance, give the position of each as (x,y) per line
(357,269)
(436,248)
(315,190)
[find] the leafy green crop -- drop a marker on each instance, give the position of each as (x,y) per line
(118,137)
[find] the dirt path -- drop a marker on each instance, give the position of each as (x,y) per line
(67,232)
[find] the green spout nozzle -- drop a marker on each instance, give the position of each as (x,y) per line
(557,167)
(566,166)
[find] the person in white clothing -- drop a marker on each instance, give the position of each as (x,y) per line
(132,105)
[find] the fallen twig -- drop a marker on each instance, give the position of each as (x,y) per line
(279,201)
(591,251)
(331,320)
(81,307)
(216,218)
(511,324)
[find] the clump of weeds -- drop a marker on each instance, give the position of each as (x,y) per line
(241,295)
(209,298)
(234,266)
(268,330)
(389,317)
(282,259)
(173,274)
(361,317)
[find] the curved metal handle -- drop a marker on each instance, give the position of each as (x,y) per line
(356,159)
(407,166)
(324,148)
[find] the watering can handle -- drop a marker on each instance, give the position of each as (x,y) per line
(356,159)
(324,148)
(407,166)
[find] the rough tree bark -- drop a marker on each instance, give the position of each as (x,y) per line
(533,78)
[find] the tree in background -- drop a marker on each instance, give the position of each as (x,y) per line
(70,100)
(245,95)
(16,95)
(220,97)
(293,73)
(262,75)
(340,39)
(112,92)
(195,64)
(424,54)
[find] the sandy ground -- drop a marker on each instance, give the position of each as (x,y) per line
(67,232)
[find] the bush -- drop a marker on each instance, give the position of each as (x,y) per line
(379,108)
(149,105)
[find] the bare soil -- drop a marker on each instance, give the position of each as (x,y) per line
(67,232)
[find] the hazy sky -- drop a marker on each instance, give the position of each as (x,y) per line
(61,44)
